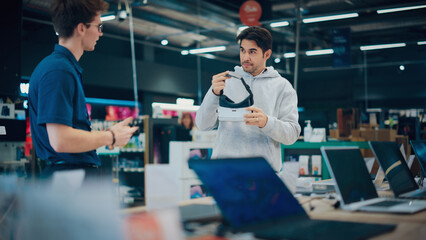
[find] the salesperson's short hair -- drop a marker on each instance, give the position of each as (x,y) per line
(67,14)
(260,35)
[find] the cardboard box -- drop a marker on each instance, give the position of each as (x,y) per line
(356,133)
(334,133)
(374,135)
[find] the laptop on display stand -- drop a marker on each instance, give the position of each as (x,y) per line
(252,198)
(419,147)
(399,176)
(354,186)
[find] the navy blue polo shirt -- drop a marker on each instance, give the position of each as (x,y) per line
(56,96)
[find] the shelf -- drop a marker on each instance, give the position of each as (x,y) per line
(133,169)
(21,162)
(318,145)
(313,148)
(135,150)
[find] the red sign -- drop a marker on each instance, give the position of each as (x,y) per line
(250,13)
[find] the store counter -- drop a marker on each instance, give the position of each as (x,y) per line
(409,226)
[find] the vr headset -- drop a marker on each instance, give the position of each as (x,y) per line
(230,110)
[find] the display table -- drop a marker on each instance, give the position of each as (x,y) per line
(409,226)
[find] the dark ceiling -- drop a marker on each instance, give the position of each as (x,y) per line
(203,23)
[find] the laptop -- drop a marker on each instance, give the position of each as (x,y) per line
(419,147)
(399,176)
(354,185)
(252,198)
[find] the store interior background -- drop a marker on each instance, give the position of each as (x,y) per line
(163,74)
(372,80)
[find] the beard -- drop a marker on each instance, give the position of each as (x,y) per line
(251,69)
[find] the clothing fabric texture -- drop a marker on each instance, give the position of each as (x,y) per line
(277,99)
(56,96)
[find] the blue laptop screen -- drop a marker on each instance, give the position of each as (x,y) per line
(247,191)
(393,164)
(351,174)
(420,150)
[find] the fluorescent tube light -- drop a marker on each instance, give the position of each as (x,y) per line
(184,52)
(382,46)
(390,10)
(290,55)
(319,52)
(330,18)
(280,24)
(421,43)
(107,18)
(207,49)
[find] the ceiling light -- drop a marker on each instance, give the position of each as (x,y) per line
(207,49)
(164,42)
(329,18)
(107,18)
(382,46)
(319,52)
(421,43)
(389,10)
(277,60)
(290,55)
(401,67)
(184,52)
(280,24)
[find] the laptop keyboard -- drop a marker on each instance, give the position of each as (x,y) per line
(386,204)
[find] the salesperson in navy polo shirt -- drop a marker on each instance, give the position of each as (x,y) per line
(60,126)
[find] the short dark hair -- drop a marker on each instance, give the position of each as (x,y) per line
(260,35)
(67,14)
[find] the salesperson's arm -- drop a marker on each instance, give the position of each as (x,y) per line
(64,138)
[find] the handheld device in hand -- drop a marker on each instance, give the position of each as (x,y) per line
(137,122)
(231,111)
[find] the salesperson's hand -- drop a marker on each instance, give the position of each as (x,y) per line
(122,132)
(218,82)
(256,118)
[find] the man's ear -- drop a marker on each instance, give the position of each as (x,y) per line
(80,29)
(268,54)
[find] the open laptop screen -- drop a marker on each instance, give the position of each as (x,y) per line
(350,173)
(246,190)
(393,164)
(419,147)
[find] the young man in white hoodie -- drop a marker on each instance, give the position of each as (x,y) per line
(274,116)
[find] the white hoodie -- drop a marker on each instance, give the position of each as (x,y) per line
(277,99)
